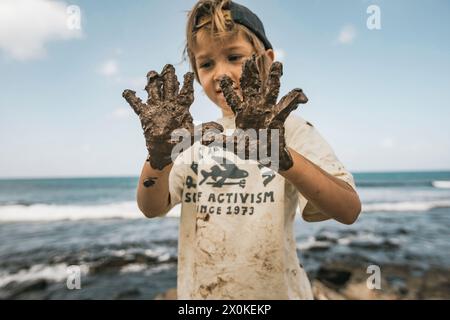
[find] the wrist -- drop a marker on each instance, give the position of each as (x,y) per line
(159,162)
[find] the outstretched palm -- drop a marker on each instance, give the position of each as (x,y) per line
(166,110)
(259,109)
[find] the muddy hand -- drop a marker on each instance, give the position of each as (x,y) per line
(166,110)
(258,109)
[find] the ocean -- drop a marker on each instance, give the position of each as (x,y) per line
(47,225)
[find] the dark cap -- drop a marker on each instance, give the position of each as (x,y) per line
(244,16)
(247,18)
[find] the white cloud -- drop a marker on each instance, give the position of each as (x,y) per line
(27,25)
(109,68)
(280,54)
(347,35)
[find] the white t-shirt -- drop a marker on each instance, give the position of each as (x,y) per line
(236,237)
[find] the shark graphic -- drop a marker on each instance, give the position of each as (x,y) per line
(223,172)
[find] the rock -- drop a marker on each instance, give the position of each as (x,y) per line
(347,280)
(360,291)
(322,292)
(107,264)
(334,277)
(15,289)
(128,294)
(170,294)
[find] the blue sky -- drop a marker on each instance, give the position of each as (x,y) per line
(379,97)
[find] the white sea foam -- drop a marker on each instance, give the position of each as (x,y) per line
(129,210)
(148,270)
(405,206)
(312,243)
(159,268)
(441,184)
(361,238)
(134,267)
(56,273)
(44,212)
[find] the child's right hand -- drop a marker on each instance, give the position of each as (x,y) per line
(165,111)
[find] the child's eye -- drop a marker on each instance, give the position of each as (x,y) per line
(205,65)
(234,57)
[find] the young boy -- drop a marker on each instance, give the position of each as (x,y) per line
(236,228)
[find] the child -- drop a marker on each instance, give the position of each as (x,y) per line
(236,236)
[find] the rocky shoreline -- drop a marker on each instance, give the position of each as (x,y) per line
(334,280)
(338,277)
(347,281)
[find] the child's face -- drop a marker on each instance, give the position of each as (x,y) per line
(215,59)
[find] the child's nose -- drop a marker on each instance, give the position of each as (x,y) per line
(221,71)
(220,76)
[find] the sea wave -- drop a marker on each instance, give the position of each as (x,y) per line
(60,272)
(441,184)
(129,210)
(405,206)
(326,240)
(146,269)
(57,272)
(45,212)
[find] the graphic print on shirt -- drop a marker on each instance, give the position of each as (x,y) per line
(267,173)
(220,187)
(225,173)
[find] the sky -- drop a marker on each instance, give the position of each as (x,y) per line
(380,97)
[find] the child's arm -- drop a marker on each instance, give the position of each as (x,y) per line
(259,110)
(332,196)
(153,196)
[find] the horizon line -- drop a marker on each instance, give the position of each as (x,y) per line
(137,176)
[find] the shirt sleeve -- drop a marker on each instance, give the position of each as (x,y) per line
(304,138)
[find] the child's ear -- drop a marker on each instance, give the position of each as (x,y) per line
(271,55)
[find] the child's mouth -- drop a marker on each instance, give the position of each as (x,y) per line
(219,92)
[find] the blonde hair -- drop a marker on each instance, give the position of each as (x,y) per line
(214,17)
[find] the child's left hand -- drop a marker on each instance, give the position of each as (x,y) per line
(259,110)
